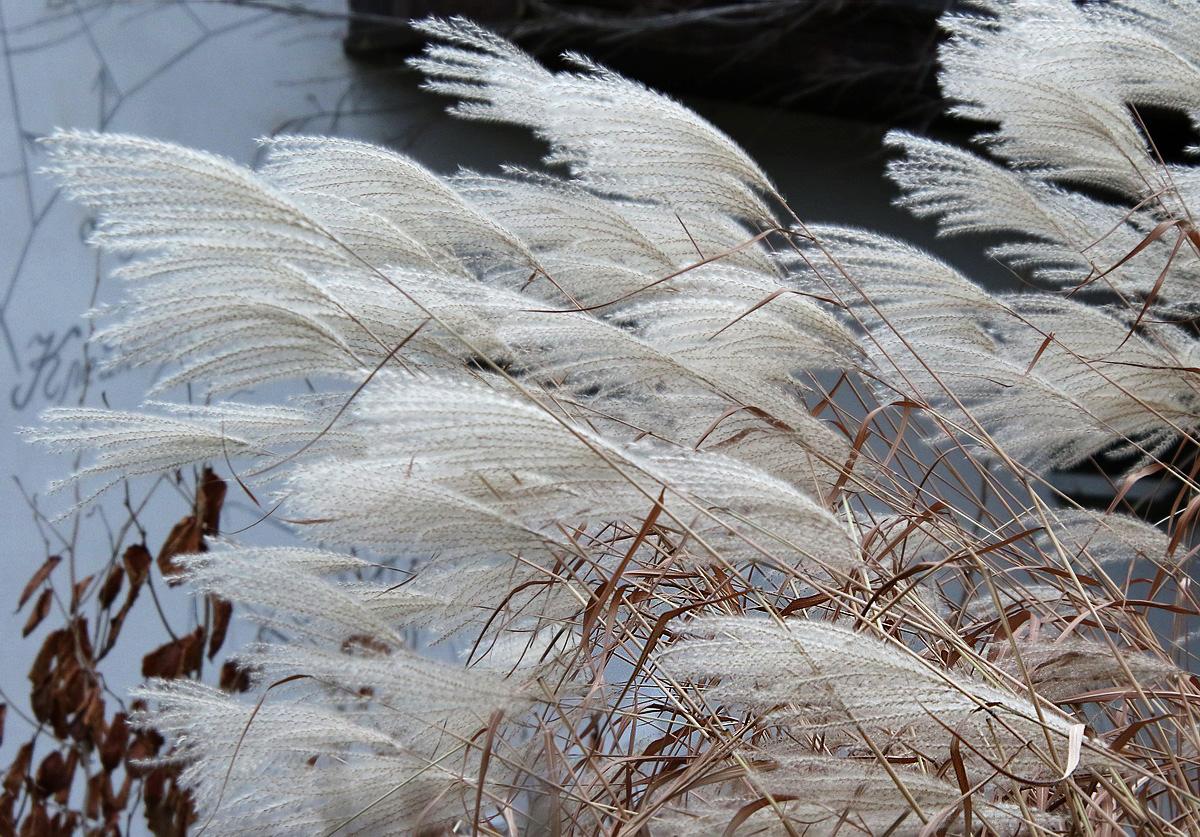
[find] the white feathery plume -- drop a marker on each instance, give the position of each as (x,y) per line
(364,781)
(1103,538)
(1149,48)
(556,216)
(1068,239)
(265,578)
(131,444)
(401,190)
(1055,104)
(614,135)
(158,196)
(392,729)
(1016,362)
(795,671)
(210,225)
(505,471)
(1059,78)
(1066,669)
(176,435)
(822,796)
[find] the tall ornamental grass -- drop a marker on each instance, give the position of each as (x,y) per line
(639,506)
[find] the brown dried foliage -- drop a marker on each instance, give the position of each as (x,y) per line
(84,768)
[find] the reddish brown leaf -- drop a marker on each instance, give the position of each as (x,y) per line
(64,824)
(145,745)
(59,682)
(74,684)
(210,498)
(175,658)
(112,751)
(37,822)
(51,648)
(64,793)
(164,661)
(51,774)
(99,791)
(64,694)
(122,797)
(78,591)
(170,812)
(92,727)
(234,678)
(41,697)
(81,643)
(8,823)
(154,788)
(36,580)
(115,624)
(193,651)
(14,779)
(185,539)
(112,586)
(173,815)
(222,611)
(137,562)
(40,611)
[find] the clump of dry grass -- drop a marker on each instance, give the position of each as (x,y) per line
(739,524)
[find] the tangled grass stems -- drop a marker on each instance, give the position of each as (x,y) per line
(741,524)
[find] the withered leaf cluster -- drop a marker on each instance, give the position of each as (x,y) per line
(86,769)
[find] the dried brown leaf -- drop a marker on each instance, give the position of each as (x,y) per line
(78,590)
(210,499)
(193,651)
(51,649)
(52,775)
(91,720)
(164,661)
(99,795)
(154,788)
(112,586)
(15,777)
(185,539)
(112,751)
(222,611)
(40,611)
(234,678)
(175,658)
(122,798)
(64,793)
(136,560)
(36,580)
(37,822)
(146,744)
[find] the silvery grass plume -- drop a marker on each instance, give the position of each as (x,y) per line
(569,424)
